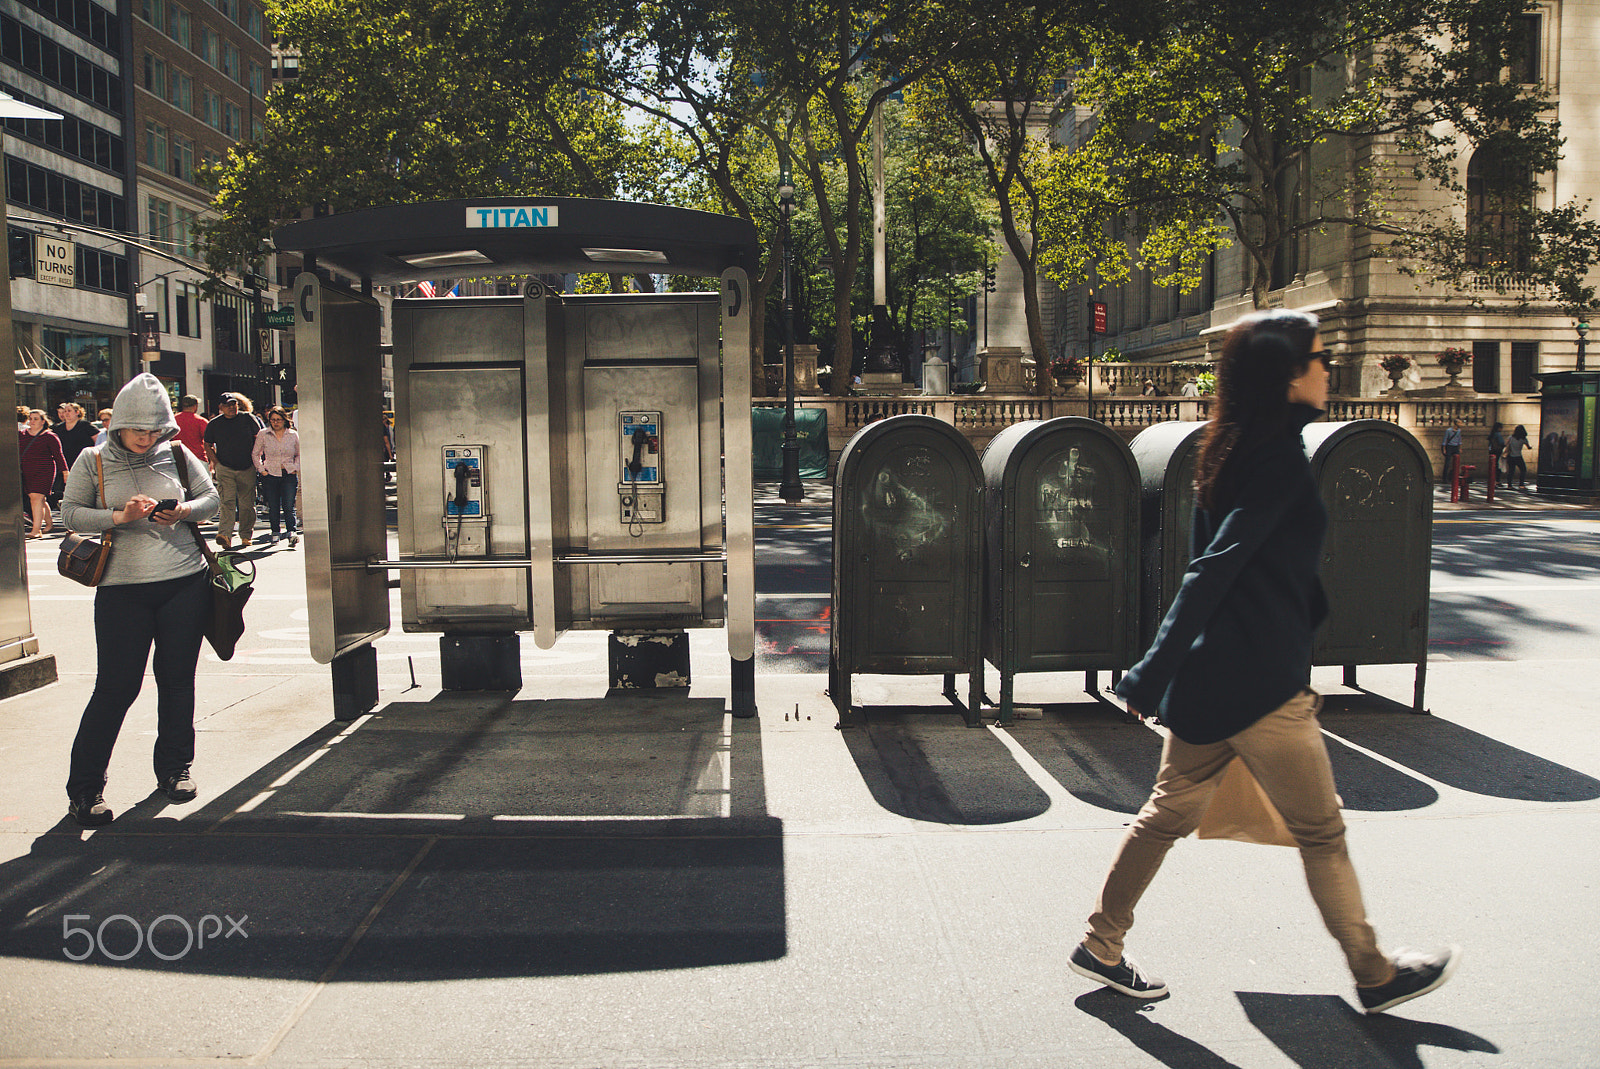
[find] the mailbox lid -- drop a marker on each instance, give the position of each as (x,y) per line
(1377,484)
(1062,532)
(907,549)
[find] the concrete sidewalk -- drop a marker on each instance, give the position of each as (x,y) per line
(562,878)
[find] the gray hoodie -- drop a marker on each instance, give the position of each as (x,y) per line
(142,551)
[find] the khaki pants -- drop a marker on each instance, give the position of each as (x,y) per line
(1286,753)
(238,491)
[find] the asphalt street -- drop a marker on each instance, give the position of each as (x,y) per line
(569,878)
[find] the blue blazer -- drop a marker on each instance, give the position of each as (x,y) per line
(1236,642)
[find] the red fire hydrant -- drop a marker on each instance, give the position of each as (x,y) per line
(1458,486)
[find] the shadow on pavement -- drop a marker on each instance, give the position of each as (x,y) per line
(1126,1015)
(937,769)
(1095,752)
(1326,1032)
(468,836)
(1454,755)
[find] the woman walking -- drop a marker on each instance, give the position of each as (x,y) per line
(1228,670)
(1514,462)
(277,460)
(42,461)
(155,591)
(76,434)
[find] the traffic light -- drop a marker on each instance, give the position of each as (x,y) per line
(988,279)
(19,246)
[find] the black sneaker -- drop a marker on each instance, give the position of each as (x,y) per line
(90,812)
(1415,973)
(1124,976)
(178,787)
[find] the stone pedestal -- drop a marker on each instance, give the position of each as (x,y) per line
(805,369)
(935,378)
(1001,369)
(881,383)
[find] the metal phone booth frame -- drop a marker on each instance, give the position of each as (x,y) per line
(565,462)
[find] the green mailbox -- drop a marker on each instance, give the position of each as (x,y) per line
(907,558)
(1377,484)
(1061,565)
(1166,456)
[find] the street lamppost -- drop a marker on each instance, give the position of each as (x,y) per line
(1583,332)
(789,487)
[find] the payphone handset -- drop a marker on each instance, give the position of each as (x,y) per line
(640,488)
(466,502)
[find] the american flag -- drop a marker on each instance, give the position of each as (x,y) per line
(425,288)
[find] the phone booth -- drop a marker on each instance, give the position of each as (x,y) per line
(559,457)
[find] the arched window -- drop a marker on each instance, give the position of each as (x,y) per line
(1499,197)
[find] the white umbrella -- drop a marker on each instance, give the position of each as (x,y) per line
(12,108)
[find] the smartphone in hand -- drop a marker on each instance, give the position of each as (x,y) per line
(162,506)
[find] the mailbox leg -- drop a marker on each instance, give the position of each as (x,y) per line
(1091,682)
(1350,675)
(950,687)
(839,691)
(1416,692)
(1007,703)
(975,695)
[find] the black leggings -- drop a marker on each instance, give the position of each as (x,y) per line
(1516,464)
(128,620)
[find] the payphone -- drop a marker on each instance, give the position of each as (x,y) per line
(466,512)
(641,489)
(542,433)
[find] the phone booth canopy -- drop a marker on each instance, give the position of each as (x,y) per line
(559,457)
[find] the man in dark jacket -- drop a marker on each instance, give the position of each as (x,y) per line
(229,440)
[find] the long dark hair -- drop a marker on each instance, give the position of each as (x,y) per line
(1260,356)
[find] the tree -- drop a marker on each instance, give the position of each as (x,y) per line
(1253,123)
(408,100)
(1005,90)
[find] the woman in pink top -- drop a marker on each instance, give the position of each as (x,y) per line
(277,458)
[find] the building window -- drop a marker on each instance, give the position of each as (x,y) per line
(1522,54)
(70,136)
(181,91)
(209,45)
(213,110)
(183,158)
(230,61)
(154,12)
(155,75)
(178,25)
(1524,361)
(1498,200)
(88,20)
(232,119)
(103,271)
(258,80)
(186,311)
(185,231)
(1486,367)
(46,191)
(158,219)
(155,145)
(26,48)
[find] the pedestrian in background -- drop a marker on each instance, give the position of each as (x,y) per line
(192,426)
(277,462)
(1497,447)
(155,592)
(1228,670)
(1452,450)
(42,460)
(103,418)
(1515,465)
(230,439)
(76,434)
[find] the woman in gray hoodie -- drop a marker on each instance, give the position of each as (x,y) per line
(155,591)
